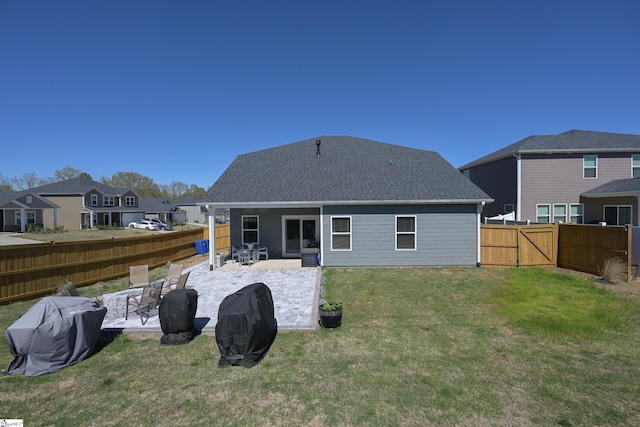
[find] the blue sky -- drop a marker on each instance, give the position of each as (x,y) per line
(175,90)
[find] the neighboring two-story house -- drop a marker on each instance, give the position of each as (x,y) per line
(84,203)
(541,178)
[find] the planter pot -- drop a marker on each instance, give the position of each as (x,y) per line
(330,318)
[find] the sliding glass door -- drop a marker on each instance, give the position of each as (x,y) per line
(299,232)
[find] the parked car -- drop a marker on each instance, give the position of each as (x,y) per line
(145,224)
(164,225)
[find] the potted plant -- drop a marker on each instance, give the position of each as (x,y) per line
(330,314)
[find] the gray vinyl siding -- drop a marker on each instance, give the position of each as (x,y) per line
(499,180)
(446,235)
(269,223)
(558,178)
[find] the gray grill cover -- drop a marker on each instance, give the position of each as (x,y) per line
(55,333)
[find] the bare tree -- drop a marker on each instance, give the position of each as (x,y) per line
(5,185)
(143,185)
(176,189)
(69,172)
(27,181)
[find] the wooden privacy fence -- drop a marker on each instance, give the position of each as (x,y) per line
(28,271)
(587,247)
(574,246)
(518,245)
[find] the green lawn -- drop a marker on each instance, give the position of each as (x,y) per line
(417,346)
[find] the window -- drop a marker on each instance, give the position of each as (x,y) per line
(250,229)
(109,201)
(94,200)
(543,213)
(635,166)
(560,213)
(405,233)
(576,213)
(341,233)
(467,173)
(31,217)
(590,166)
(509,207)
(130,201)
(29,200)
(617,215)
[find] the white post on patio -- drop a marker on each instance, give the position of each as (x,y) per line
(212,238)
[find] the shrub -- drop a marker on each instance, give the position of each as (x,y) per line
(613,271)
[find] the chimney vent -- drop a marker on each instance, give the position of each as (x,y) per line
(317,148)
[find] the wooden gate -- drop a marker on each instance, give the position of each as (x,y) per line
(519,245)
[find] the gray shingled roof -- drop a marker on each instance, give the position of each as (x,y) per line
(156,204)
(573,141)
(348,169)
(617,187)
(79,185)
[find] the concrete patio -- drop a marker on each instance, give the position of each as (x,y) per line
(295,291)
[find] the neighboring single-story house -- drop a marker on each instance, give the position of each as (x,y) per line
(617,203)
(191,211)
(21,209)
(356,201)
(162,208)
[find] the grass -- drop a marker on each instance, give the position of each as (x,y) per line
(417,346)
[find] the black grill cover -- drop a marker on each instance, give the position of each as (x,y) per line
(177,315)
(246,326)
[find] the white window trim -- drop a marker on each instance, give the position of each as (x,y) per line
(581,212)
(342,233)
(129,201)
(584,168)
(415,233)
(257,229)
(632,166)
(550,212)
(109,200)
(553,212)
(94,200)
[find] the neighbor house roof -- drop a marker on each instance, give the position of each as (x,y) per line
(616,188)
(342,169)
(573,141)
(17,200)
(79,185)
(156,205)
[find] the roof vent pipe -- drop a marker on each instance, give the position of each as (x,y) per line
(317,148)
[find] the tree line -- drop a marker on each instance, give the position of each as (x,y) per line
(143,185)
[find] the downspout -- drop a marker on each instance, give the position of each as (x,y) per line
(479,208)
(321,235)
(518,187)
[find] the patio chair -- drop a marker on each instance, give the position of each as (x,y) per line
(70,290)
(172,278)
(262,252)
(234,254)
(138,275)
(149,298)
(182,281)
